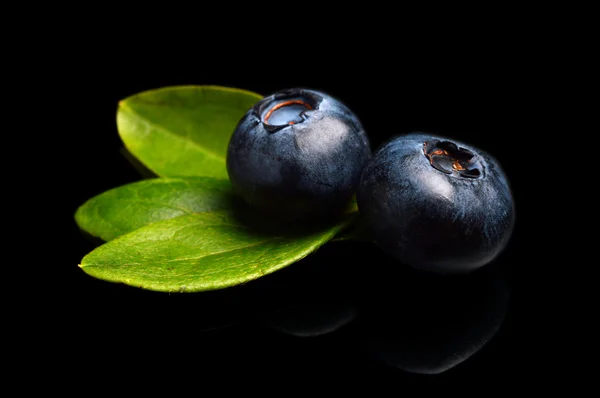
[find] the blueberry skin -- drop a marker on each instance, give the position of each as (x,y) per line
(436,204)
(297,153)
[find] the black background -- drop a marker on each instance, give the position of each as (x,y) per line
(111,329)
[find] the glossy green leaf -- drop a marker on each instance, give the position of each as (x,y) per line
(129,207)
(183,130)
(201,251)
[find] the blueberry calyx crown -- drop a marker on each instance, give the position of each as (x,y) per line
(286,108)
(449,158)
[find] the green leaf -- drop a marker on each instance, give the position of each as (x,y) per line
(183,130)
(352,205)
(129,207)
(357,233)
(202,251)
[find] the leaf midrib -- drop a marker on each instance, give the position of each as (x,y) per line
(222,251)
(157,203)
(162,128)
(190,258)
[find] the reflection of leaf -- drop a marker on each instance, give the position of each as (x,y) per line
(200,251)
(183,130)
(129,207)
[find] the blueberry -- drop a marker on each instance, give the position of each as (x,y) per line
(297,153)
(436,204)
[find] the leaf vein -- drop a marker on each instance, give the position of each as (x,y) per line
(167,131)
(221,252)
(151,202)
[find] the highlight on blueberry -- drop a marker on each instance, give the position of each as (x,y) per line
(297,153)
(436,204)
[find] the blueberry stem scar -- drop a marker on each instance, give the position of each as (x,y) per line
(285,103)
(447,157)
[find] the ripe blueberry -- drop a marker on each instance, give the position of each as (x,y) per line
(297,153)
(436,204)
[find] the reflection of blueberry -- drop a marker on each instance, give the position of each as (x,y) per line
(314,298)
(297,152)
(322,311)
(435,204)
(428,325)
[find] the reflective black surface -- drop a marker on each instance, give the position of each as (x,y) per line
(346,314)
(346,308)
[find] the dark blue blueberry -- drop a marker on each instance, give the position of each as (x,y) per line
(297,153)
(436,204)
